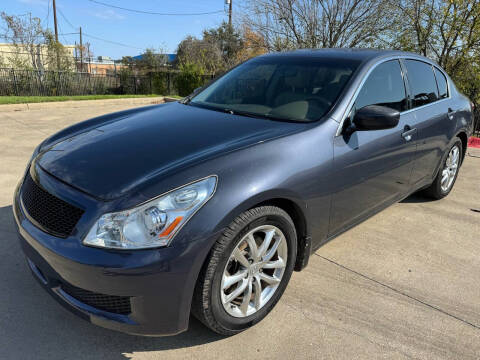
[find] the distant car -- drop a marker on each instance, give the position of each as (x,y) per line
(134,220)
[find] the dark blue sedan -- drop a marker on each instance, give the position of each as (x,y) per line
(135,219)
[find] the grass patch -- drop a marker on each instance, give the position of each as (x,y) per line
(38,99)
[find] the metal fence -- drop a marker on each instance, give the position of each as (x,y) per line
(476,126)
(52,83)
(56,83)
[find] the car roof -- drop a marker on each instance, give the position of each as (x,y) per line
(360,54)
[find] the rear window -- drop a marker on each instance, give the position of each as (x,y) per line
(422,83)
(442,84)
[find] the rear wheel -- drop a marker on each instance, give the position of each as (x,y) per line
(447,175)
(247,271)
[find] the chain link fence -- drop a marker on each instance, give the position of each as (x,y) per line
(57,83)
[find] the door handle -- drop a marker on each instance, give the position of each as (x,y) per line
(408,133)
(450,113)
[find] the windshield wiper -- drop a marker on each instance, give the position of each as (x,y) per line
(243,113)
(262,116)
(186,100)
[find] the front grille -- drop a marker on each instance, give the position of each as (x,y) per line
(110,303)
(49,212)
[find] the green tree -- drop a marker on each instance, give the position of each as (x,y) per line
(57,56)
(205,54)
(152,60)
(227,40)
(215,52)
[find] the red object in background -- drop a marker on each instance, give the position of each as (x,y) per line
(474,142)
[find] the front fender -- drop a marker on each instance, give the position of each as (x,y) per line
(272,196)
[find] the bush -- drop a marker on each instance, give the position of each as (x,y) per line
(189,78)
(160,82)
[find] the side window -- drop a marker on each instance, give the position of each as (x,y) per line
(442,84)
(422,82)
(384,87)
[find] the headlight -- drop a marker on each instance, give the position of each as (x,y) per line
(154,223)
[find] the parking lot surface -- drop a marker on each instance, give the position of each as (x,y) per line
(403,285)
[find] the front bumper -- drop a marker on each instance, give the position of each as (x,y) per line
(158,282)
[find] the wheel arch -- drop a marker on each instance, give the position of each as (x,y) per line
(462,135)
(300,222)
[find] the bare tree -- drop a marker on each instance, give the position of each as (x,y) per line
(289,24)
(445,30)
(33,46)
(448,31)
(26,34)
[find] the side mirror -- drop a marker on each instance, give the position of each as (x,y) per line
(376,117)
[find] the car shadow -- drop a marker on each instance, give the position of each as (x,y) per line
(33,325)
(417,198)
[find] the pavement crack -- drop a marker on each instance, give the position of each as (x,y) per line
(24,124)
(399,292)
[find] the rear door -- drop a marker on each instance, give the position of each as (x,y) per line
(434,116)
(373,168)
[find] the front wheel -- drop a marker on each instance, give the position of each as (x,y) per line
(247,271)
(447,175)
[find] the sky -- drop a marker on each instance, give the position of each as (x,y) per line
(130,32)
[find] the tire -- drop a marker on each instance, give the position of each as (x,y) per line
(436,190)
(210,295)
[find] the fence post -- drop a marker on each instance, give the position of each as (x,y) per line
(151,90)
(15,82)
(169,88)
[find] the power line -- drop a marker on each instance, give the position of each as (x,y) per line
(47,18)
(66,20)
(62,34)
(93,36)
(156,13)
(111,42)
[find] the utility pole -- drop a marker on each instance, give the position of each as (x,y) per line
(56,33)
(81,51)
(229,12)
(89,59)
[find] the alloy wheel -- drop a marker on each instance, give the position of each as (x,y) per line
(451,167)
(254,271)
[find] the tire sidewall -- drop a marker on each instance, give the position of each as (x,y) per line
(219,313)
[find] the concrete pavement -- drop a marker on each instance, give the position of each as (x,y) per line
(404,284)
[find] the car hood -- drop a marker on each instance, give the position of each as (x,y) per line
(116,157)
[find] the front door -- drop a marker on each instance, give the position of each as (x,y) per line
(373,168)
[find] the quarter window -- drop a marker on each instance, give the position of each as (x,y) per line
(384,87)
(422,83)
(442,84)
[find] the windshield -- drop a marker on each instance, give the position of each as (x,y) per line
(302,89)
